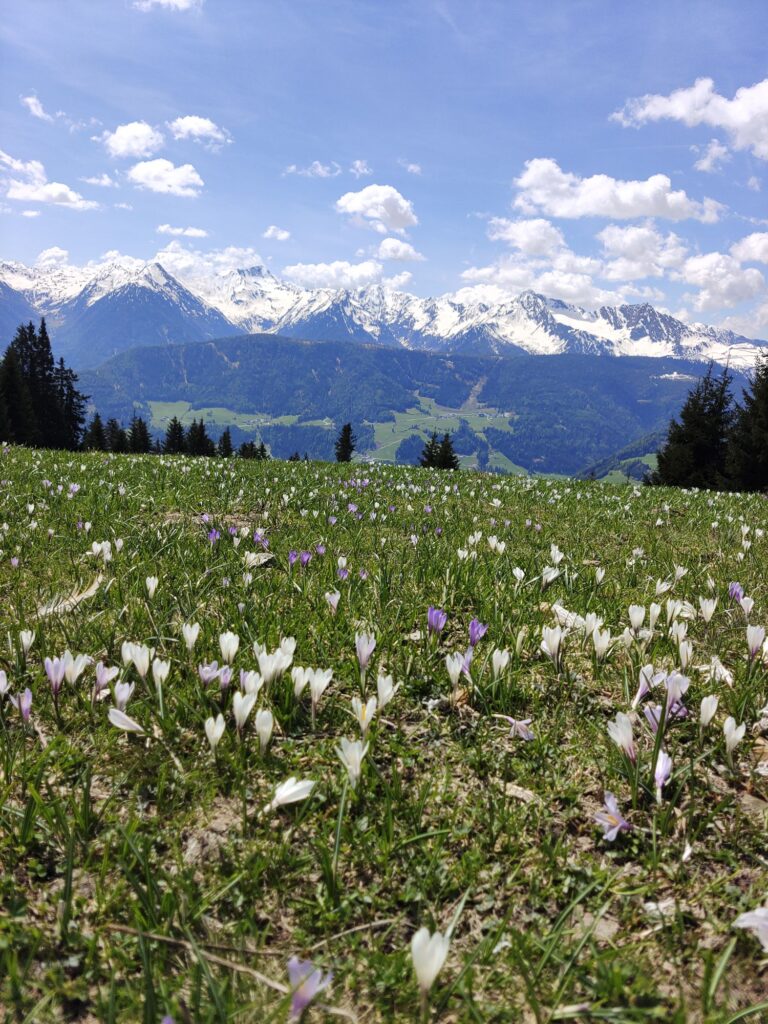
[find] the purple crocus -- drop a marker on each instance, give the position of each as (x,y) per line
(292,557)
(306,982)
(467,663)
(320,549)
(225,677)
(436,620)
(208,673)
(23,704)
(662,772)
(735,592)
(213,536)
(332,520)
(305,558)
(611,819)
(55,669)
(518,727)
(342,573)
(477,631)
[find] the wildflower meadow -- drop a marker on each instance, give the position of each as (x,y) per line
(285,741)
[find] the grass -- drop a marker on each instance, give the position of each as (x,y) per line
(143,877)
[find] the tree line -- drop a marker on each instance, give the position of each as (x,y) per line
(717,443)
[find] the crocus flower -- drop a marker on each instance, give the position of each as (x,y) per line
(365,644)
(305,558)
(620,732)
(290,792)
(755,638)
(551,641)
(499,662)
(54,669)
(229,644)
(264,724)
(454,664)
(351,754)
(756,921)
(477,631)
(707,710)
(386,690)
(208,673)
(292,557)
(428,953)
(662,772)
(123,693)
(214,730)
(306,981)
(250,682)
(151,583)
(436,620)
(242,705)
(225,677)
(733,733)
(735,592)
(611,819)
(160,670)
(518,727)
(364,713)
(332,599)
(122,721)
(4,684)
(26,639)
(23,704)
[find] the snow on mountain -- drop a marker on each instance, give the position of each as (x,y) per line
(107,307)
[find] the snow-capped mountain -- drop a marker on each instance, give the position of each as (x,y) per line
(98,310)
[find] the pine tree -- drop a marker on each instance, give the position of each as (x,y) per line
(430,453)
(247,450)
(71,408)
(261,452)
(295,457)
(345,444)
(446,456)
(694,454)
(117,439)
(139,440)
(747,458)
(175,440)
(21,419)
(224,447)
(198,441)
(95,438)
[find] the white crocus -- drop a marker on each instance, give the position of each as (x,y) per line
(707,710)
(601,640)
(122,721)
(499,662)
(386,690)
(242,705)
(733,733)
(229,644)
(454,664)
(351,754)
(214,730)
(636,616)
(364,713)
(707,607)
(190,631)
(160,670)
(151,584)
(291,791)
(428,953)
(26,638)
(264,723)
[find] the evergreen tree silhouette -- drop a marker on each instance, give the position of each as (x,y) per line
(261,452)
(430,452)
(95,438)
(224,447)
(117,439)
(175,439)
(694,454)
(139,440)
(20,413)
(446,456)
(747,458)
(345,444)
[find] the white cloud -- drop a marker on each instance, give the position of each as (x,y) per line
(30,213)
(545,187)
(315,170)
(360,168)
(754,183)
(380,207)
(639,251)
(713,157)
(536,237)
(35,107)
(102,180)
(167,229)
(753,324)
(721,281)
(339,274)
(53,257)
(752,249)
(276,234)
(122,206)
(744,118)
(570,280)
(163,176)
(169,5)
(397,249)
(184,262)
(135,139)
(32,185)
(199,129)
(411,168)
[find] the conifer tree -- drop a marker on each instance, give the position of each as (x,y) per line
(747,459)
(198,441)
(345,444)
(430,452)
(117,439)
(175,439)
(247,450)
(139,440)
(261,452)
(446,456)
(22,422)
(224,447)
(694,454)
(95,438)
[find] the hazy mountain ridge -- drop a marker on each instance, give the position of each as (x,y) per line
(98,311)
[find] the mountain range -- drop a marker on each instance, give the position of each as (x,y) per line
(99,310)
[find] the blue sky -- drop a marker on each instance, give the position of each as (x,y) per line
(594,150)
